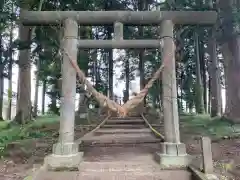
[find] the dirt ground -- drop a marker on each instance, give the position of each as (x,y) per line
(23,160)
(226,156)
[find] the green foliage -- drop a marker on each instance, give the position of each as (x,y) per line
(4,125)
(205,125)
(45,120)
(13,133)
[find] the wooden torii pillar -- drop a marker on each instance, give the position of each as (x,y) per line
(65,152)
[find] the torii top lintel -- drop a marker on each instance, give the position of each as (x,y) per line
(125,17)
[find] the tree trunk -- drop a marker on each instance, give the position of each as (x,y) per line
(10,55)
(1,92)
(141,65)
(199,86)
(209,96)
(24,102)
(24,105)
(181,97)
(190,106)
(203,73)
(216,98)
(96,73)
(179,101)
(127,73)
(43,96)
(231,53)
(53,105)
(1,77)
(9,111)
(227,58)
(110,65)
(36,90)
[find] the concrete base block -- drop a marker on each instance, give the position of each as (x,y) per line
(173,155)
(69,162)
(65,156)
(173,161)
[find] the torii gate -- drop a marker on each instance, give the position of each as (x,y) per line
(65,152)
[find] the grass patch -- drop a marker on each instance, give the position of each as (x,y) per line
(44,121)
(43,126)
(205,125)
(29,131)
(4,125)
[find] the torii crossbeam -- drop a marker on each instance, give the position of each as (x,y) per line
(125,17)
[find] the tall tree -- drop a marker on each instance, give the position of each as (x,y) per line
(44,95)
(35,106)
(199,85)
(24,106)
(230,43)
(215,90)
(1,75)
(127,79)
(10,56)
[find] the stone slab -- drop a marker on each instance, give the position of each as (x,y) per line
(117,170)
(111,139)
(122,131)
(63,162)
(126,121)
(173,161)
(124,126)
(111,175)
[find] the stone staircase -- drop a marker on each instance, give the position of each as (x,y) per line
(122,148)
(130,131)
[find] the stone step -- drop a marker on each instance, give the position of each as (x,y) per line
(87,143)
(125,126)
(125,118)
(85,147)
(121,131)
(114,170)
(125,121)
(111,139)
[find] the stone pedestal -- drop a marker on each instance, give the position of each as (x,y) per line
(65,156)
(173,155)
